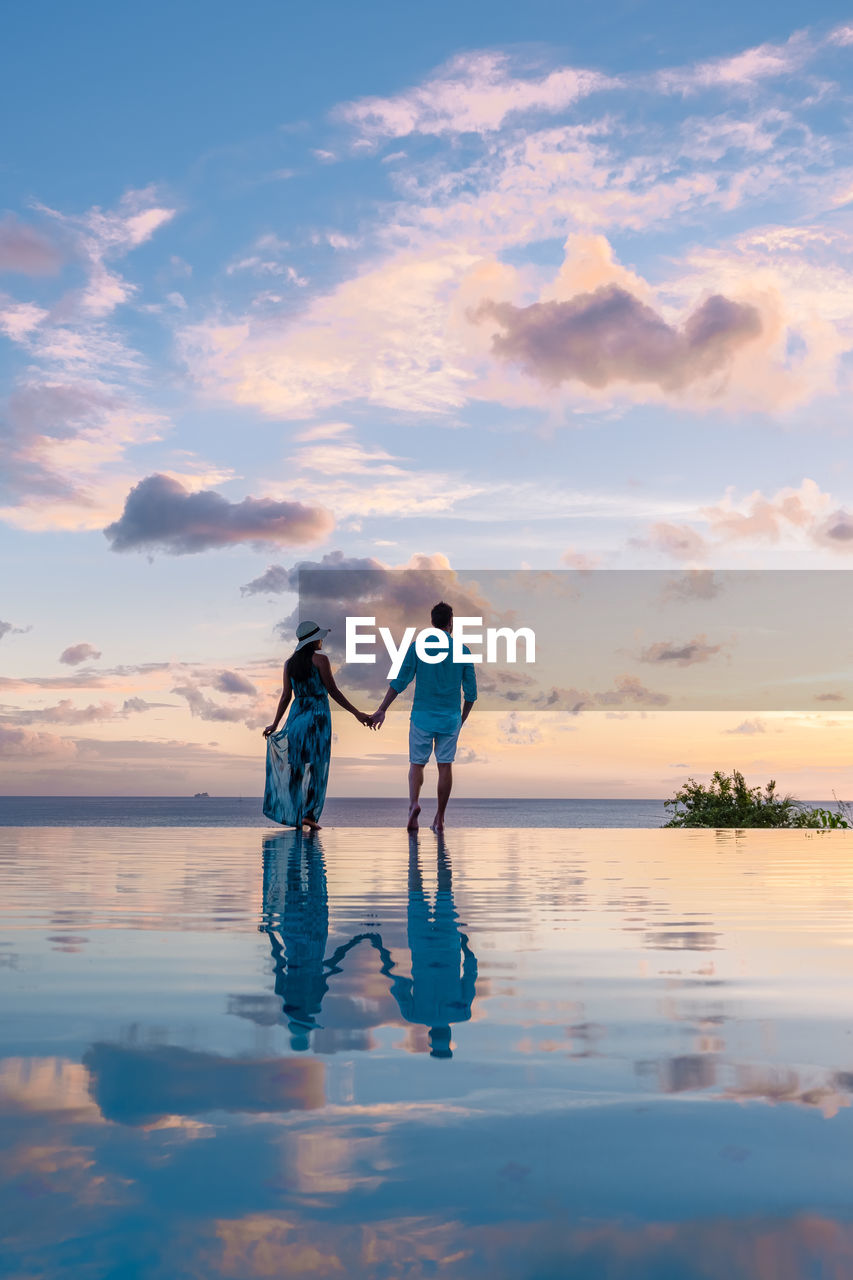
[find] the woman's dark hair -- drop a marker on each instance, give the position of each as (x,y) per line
(301,661)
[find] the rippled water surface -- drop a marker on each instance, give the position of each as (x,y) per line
(541,1053)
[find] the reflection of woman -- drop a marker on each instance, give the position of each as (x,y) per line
(296,902)
(298,756)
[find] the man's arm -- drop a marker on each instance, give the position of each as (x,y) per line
(397,685)
(469,689)
(379,714)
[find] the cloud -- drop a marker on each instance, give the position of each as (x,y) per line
(765,519)
(8,629)
(581,561)
(667,652)
(743,71)
(77,408)
(693,584)
(749,727)
(338,586)
(677,540)
(799,519)
(61,436)
(359,481)
(473,93)
(609,335)
(233,682)
(160,513)
(134,706)
(64,712)
(515,730)
(381,336)
(274,581)
(627,691)
(18,744)
(205,709)
(836,531)
(77,653)
(26,250)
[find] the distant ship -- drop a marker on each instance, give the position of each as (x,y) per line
(201,795)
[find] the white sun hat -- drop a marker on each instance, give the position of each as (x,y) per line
(307,632)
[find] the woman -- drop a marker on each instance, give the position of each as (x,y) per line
(298,756)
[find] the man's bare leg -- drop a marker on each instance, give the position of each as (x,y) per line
(445,784)
(416,781)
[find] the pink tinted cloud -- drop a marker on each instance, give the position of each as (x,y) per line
(161,513)
(26,250)
(609,335)
(473,93)
(77,653)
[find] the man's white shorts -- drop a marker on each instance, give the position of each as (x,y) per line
(421,743)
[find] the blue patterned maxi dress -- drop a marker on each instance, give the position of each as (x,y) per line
(298,756)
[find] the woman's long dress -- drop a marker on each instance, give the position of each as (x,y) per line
(298,756)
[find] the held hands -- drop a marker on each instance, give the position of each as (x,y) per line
(377,719)
(363,718)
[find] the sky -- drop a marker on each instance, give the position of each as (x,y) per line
(502,287)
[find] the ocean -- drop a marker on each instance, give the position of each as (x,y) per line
(238,811)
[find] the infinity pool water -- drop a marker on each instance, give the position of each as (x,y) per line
(542,1053)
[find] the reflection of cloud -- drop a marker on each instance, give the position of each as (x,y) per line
(49,1085)
(690,1071)
(140,1086)
(785,1085)
(681,940)
(160,512)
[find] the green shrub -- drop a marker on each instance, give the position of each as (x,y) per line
(728,802)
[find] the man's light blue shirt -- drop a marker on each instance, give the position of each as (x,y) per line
(439,689)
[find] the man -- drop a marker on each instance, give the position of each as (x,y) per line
(436,717)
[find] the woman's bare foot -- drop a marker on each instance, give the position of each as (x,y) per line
(438,825)
(311,824)
(412,824)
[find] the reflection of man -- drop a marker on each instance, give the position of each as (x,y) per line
(296,900)
(440,684)
(442,987)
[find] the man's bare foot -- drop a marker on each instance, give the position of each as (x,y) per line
(438,825)
(412,824)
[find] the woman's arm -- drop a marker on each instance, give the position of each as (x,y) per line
(286,692)
(321,662)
